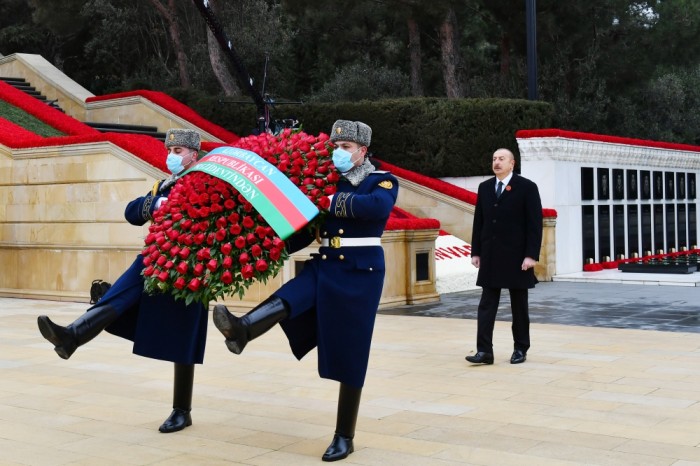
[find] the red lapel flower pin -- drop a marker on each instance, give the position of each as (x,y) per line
(508,188)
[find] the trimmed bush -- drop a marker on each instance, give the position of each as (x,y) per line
(432,136)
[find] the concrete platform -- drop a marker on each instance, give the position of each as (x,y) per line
(617,276)
(586,395)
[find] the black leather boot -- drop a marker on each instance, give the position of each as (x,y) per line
(239,331)
(348,407)
(86,327)
(182,400)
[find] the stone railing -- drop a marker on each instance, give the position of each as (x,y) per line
(62,225)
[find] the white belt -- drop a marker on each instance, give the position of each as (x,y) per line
(338,242)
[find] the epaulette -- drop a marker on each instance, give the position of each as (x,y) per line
(154,190)
(379,172)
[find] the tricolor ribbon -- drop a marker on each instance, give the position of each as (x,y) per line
(280,202)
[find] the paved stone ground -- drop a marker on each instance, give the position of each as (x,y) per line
(664,308)
(586,395)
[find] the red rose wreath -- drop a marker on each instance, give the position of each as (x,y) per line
(207,241)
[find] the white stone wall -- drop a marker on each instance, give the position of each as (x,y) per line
(555,163)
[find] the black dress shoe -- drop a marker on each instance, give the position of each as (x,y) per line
(340,448)
(481,358)
(518,357)
(178,420)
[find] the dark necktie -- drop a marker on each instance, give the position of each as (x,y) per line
(499,189)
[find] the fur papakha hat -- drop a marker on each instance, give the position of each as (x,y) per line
(182,137)
(353,131)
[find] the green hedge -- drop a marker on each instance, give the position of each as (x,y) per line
(435,137)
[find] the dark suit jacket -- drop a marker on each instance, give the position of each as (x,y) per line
(505,231)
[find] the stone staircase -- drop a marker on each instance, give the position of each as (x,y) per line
(128,129)
(24,86)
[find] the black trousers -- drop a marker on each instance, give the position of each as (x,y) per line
(486,315)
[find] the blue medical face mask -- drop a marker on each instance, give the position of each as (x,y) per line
(342,160)
(174,163)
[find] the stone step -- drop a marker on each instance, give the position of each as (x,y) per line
(24,86)
(19,81)
(127,129)
(96,124)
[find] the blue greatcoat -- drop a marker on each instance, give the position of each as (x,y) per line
(333,301)
(159,326)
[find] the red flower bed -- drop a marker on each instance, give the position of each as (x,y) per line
(176,107)
(147,148)
(11,133)
(592,267)
(43,112)
(438,185)
(403,220)
(598,266)
(207,241)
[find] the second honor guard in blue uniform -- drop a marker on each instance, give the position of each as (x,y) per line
(159,326)
(332,303)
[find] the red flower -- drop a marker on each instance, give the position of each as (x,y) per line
(275,254)
(251,238)
(227,263)
(261,265)
(214,241)
(212,265)
(247,271)
(203,254)
(248,222)
(194,284)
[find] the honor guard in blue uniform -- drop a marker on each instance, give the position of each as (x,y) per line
(159,326)
(332,303)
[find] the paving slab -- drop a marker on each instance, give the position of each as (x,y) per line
(598,388)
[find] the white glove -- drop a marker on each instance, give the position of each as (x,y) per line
(160,201)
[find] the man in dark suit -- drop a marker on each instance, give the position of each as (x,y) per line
(506,239)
